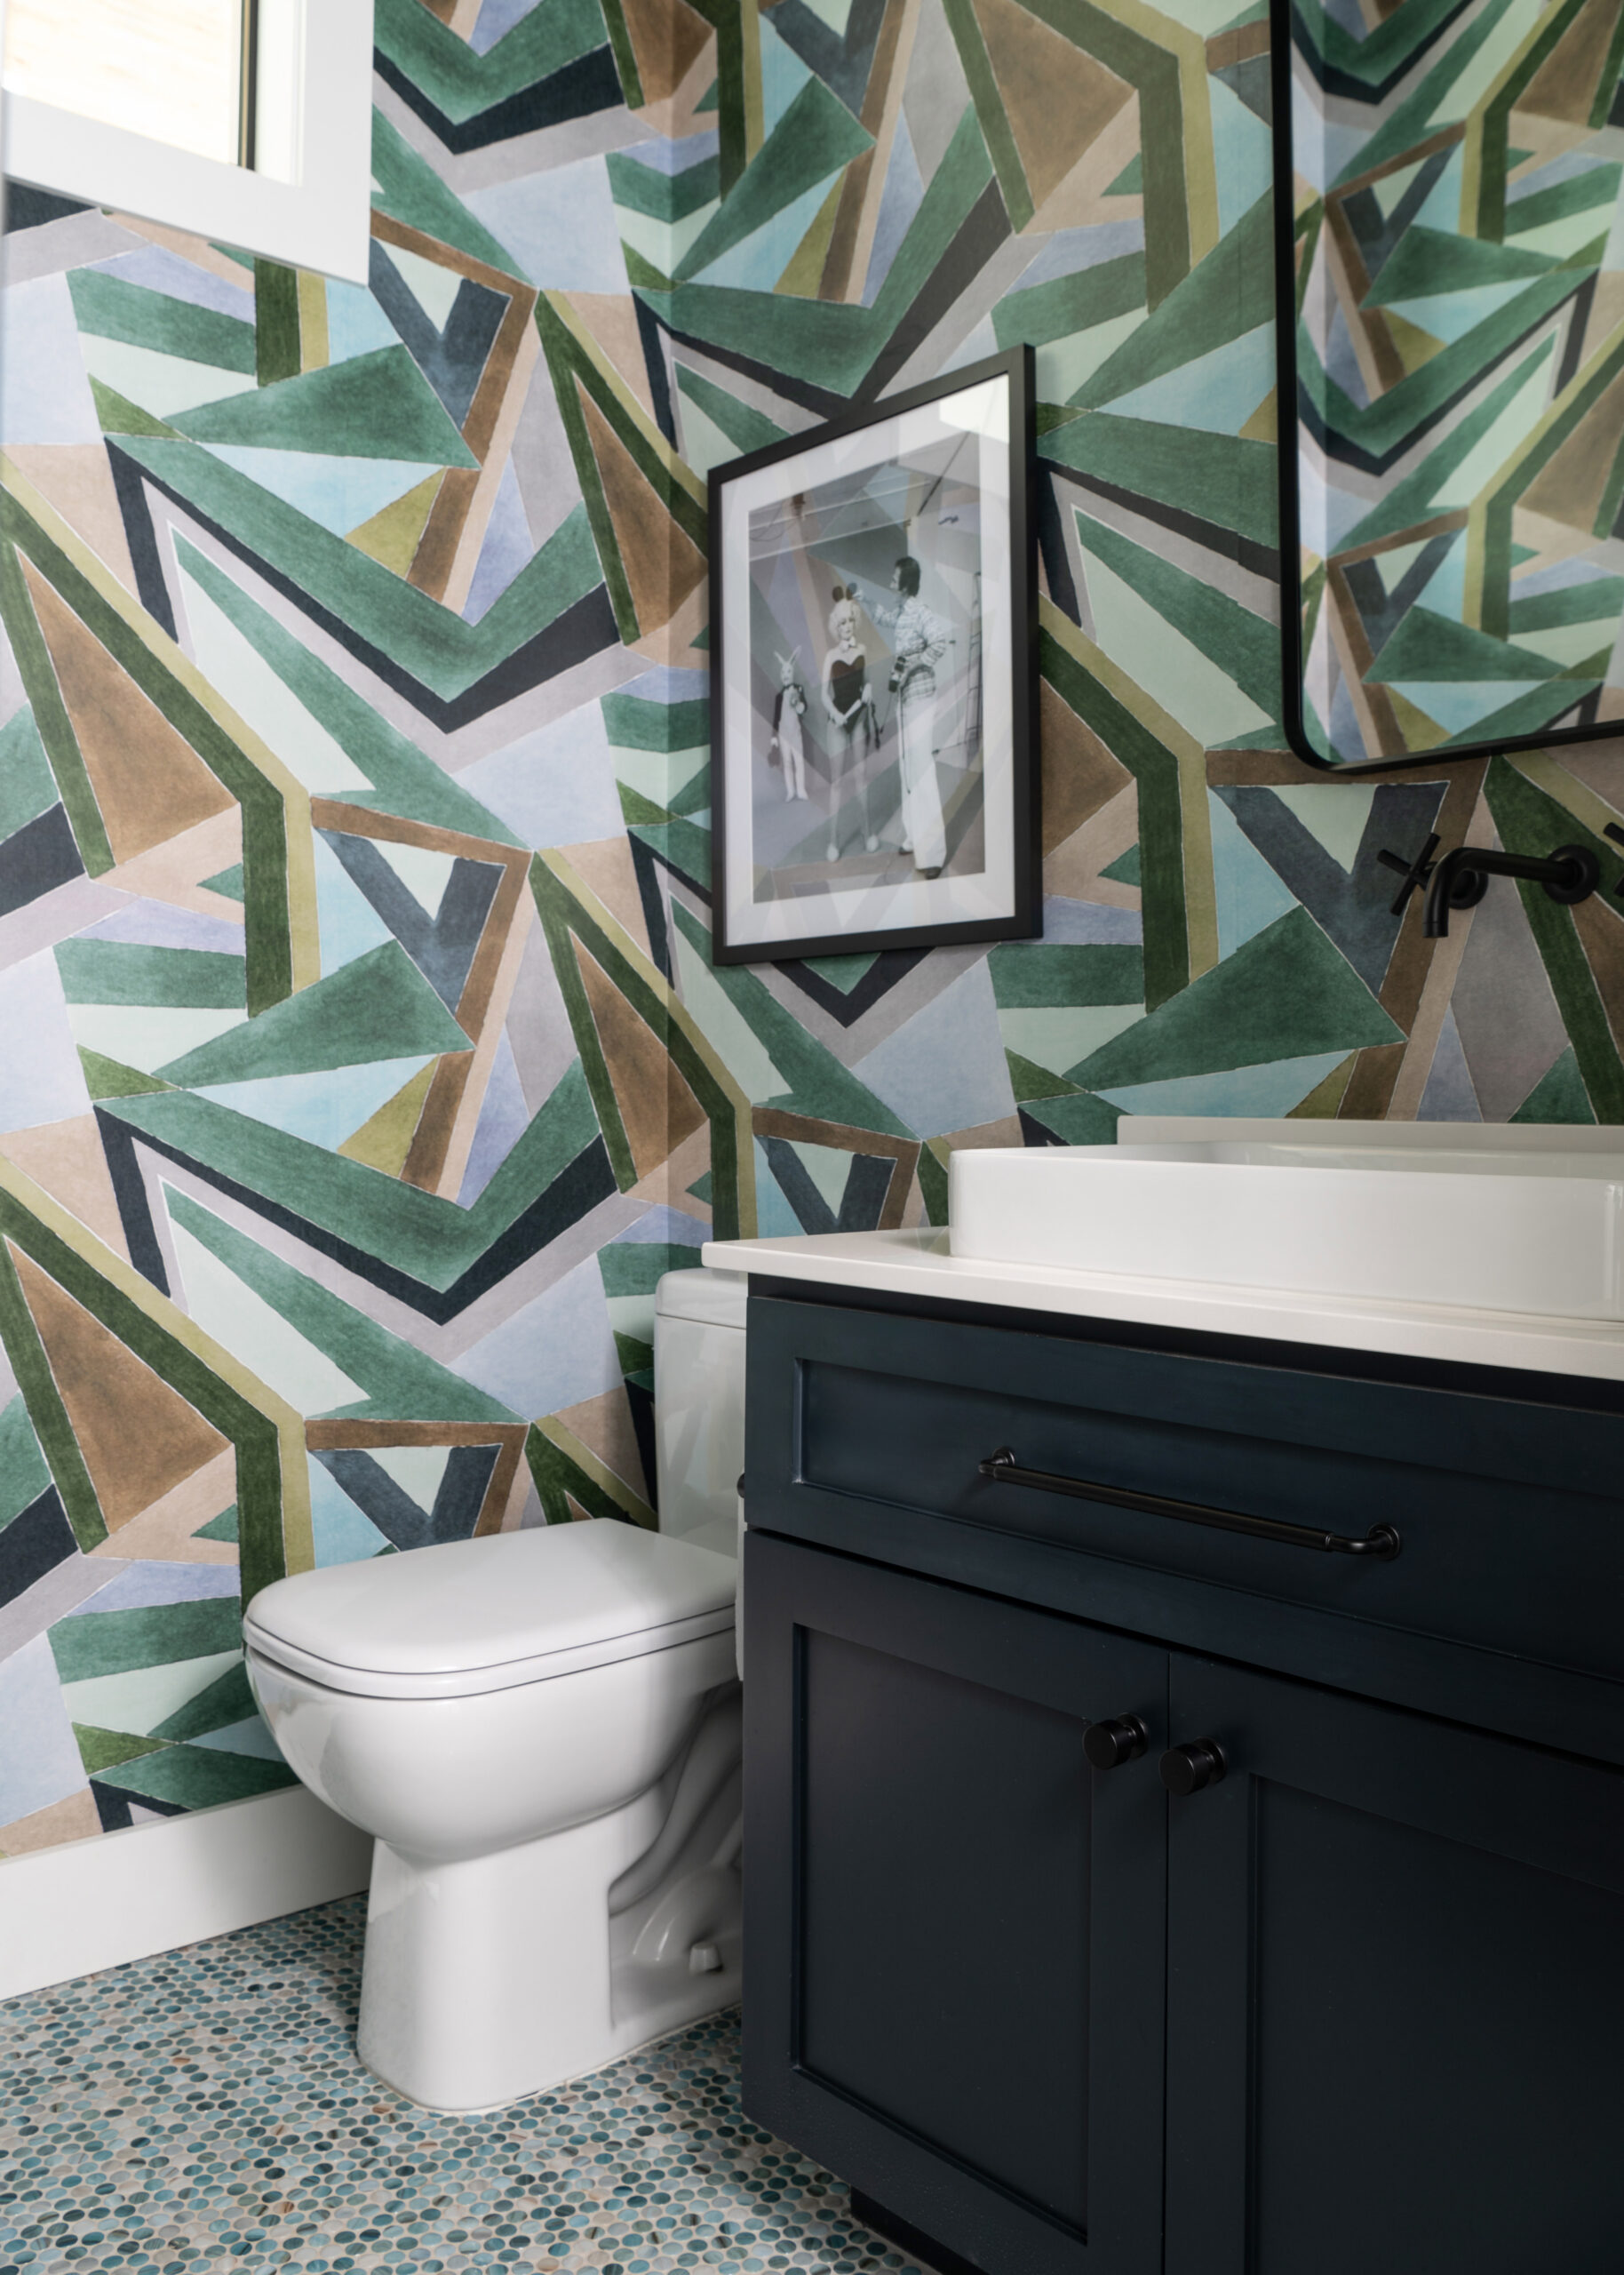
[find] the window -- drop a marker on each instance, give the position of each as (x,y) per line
(248,121)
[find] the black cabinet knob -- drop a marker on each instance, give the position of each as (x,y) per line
(1185,1769)
(1109,1744)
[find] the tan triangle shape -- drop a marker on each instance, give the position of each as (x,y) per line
(77,1818)
(149,782)
(1056,98)
(393,534)
(166,1530)
(1261,427)
(657,1109)
(1080,775)
(77,479)
(174,871)
(805,272)
(138,1438)
(608,867)
(66,1157)
(603,1425)
(668,37)
(1569,486)
(1565,84)
(678,118)
(673,643)
(1083,196)
(610,319)
(662,564)
(384,1139)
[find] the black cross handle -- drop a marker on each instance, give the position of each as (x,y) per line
(1414,874)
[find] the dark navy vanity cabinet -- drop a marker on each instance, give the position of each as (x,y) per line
(1130,1892)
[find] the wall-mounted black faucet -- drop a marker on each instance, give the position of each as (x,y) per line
(1461,878)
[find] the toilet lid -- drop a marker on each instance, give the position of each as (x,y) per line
(468,1616)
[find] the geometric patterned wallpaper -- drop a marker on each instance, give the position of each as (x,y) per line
(362,1061)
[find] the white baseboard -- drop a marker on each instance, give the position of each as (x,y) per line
(89,1904)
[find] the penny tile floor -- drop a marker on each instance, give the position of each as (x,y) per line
(206,2107)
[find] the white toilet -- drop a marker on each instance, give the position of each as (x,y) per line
(541,1731)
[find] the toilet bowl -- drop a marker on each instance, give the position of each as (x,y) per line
(541,1730)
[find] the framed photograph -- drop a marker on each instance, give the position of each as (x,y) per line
(873,778)
(1450,234)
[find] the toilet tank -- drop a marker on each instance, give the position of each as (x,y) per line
(699,1404)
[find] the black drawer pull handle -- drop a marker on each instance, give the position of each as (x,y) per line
(1107,1746)
(1187,1769)
(1381,1541)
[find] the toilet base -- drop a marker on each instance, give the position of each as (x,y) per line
(496,1977)
(493,2108)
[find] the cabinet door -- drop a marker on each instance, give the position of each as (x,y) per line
(1395,1994)
(954,1943)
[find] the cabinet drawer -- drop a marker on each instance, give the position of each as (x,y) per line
(876,1424)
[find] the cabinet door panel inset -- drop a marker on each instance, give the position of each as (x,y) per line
(954,1935)
(958,1901)
(1395,1994)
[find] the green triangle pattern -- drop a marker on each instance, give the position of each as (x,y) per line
(1286,993)
(380,1006)
(374,406)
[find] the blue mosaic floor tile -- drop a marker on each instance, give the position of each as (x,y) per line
(205,2108)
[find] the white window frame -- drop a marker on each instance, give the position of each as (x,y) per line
(322,221)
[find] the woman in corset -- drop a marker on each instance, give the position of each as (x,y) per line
(849,699)
(921,641)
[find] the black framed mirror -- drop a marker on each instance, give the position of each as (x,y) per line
(1450,264)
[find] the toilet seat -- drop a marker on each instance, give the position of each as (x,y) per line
(468,1616)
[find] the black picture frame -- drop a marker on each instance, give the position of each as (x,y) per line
(730,827)
(1292,659)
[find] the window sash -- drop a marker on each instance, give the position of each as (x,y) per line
(313,129)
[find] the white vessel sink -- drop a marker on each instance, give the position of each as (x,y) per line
(1492,1218)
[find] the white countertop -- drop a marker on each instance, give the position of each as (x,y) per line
(919,1264)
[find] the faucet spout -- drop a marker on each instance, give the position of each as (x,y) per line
(1461,878)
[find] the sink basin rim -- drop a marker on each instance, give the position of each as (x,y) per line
(1374,1159)
(1500,1234)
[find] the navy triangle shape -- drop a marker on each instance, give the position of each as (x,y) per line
(451,360)
(888,968)
(1355,911)
(395,1512)
(442,947)
(867,1183)
(843,64)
